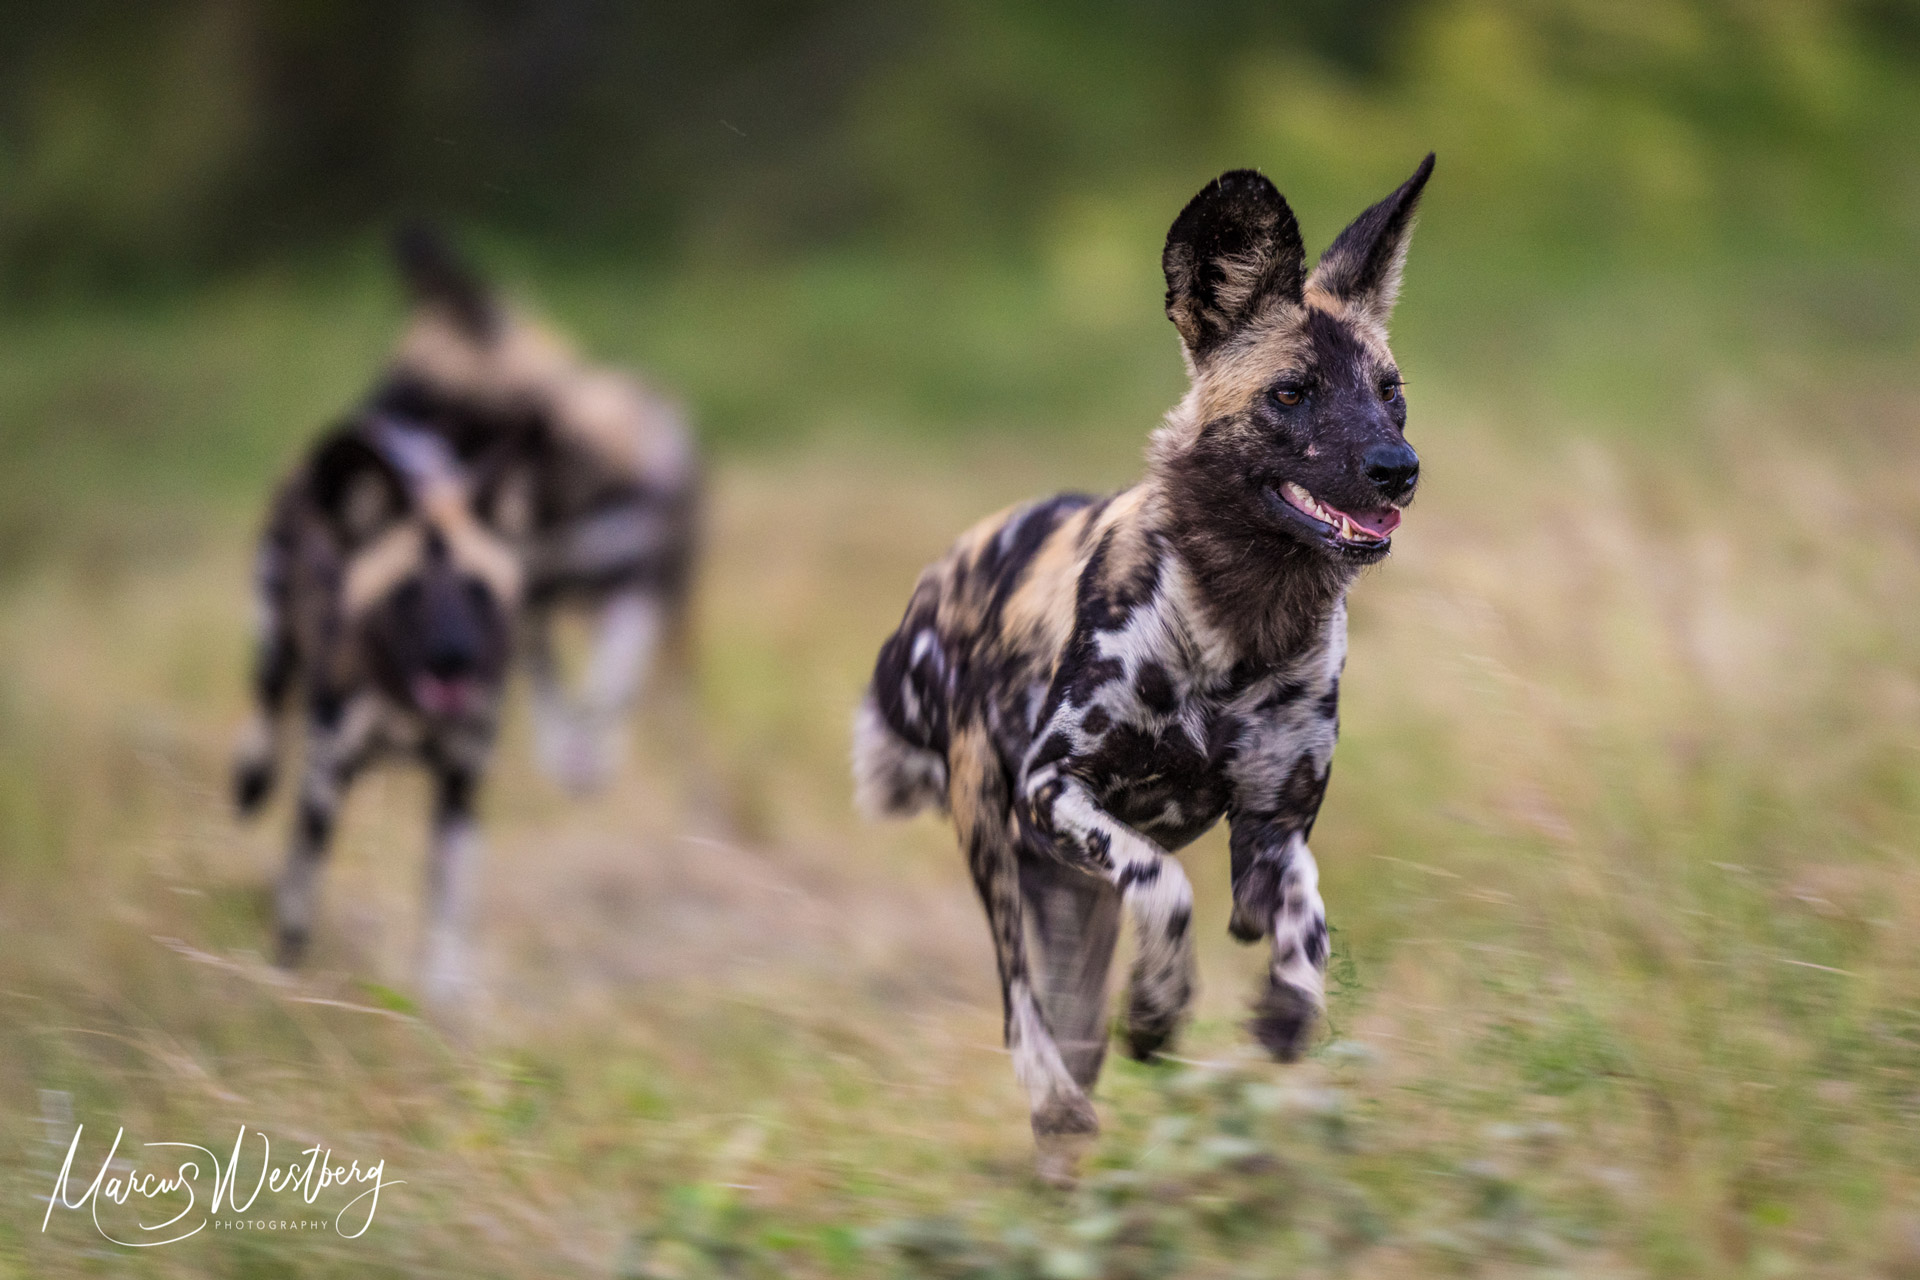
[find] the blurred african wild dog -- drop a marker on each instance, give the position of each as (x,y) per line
(614,496)
(1086,684)
(389,580)
(490,481)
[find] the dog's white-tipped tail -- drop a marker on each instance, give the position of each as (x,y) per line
(892,778)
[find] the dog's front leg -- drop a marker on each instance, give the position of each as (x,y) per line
(452,867)
(1276,894)
(337,744)
(1152,885)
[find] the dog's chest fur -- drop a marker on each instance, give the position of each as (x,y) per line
(1169,729)
(1074,631)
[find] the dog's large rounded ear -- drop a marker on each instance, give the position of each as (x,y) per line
(437,276)
(355,488)
(505,478)
(1233,250)
(1362,267)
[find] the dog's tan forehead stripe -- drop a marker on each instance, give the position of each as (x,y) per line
(381,566)
(1277,341)
(475,548)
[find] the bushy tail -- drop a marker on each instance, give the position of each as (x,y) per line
(893,778)
(437,276)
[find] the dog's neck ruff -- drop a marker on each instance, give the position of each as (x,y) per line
(1268,597)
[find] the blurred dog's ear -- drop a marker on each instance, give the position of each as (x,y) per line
(437,276)
(1362,267)
(355,488)
(504,479)
(1233,250)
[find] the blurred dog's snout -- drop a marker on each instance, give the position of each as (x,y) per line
(453,639)
(1393,468)
(451,655)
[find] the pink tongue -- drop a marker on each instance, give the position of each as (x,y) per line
(1379,523)
(440,697)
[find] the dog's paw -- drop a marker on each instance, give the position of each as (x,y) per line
(1283,1020)
(1247,926)
(1063,1134)
(252,784)
(1151,1025)
(290,947)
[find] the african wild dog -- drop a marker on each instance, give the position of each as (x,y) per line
(1087,684)
(388,583)
(615,492)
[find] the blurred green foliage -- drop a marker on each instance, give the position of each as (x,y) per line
(919,221)
(163,140)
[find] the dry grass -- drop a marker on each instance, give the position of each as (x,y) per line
(1619,852)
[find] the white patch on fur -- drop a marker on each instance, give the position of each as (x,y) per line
(452,867)
(892,778)
(1273,744)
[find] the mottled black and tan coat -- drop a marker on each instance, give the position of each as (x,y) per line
(388,583)
(491,480)
(1087,684)
(614,497)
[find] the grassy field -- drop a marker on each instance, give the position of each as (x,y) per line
(1619,850)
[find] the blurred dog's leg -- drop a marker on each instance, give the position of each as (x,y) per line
(1280,888)
(1076,921)
(582,743)
(1064,1123)
(553,731)
(452,865)
(631,624)
(256,758)
(626,641)
(336,747)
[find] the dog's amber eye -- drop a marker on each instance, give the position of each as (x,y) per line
(1389,388)
(1288,396)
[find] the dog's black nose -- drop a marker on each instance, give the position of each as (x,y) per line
(1393,467)
(452,631)
(451,655)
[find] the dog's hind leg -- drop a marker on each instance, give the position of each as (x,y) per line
(1064,1123)
(1076,922)
(582,737)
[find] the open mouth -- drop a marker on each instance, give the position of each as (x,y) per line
(1367,530)
(451,698)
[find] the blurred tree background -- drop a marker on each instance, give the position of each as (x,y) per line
(925,221)
(168,140)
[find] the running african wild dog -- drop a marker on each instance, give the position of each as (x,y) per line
(615,493)
(1086,685)
(388,581)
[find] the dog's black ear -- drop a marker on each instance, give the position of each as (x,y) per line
(437,276)
(504,477)
(356,488)
(1362,267)
(1234,249)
